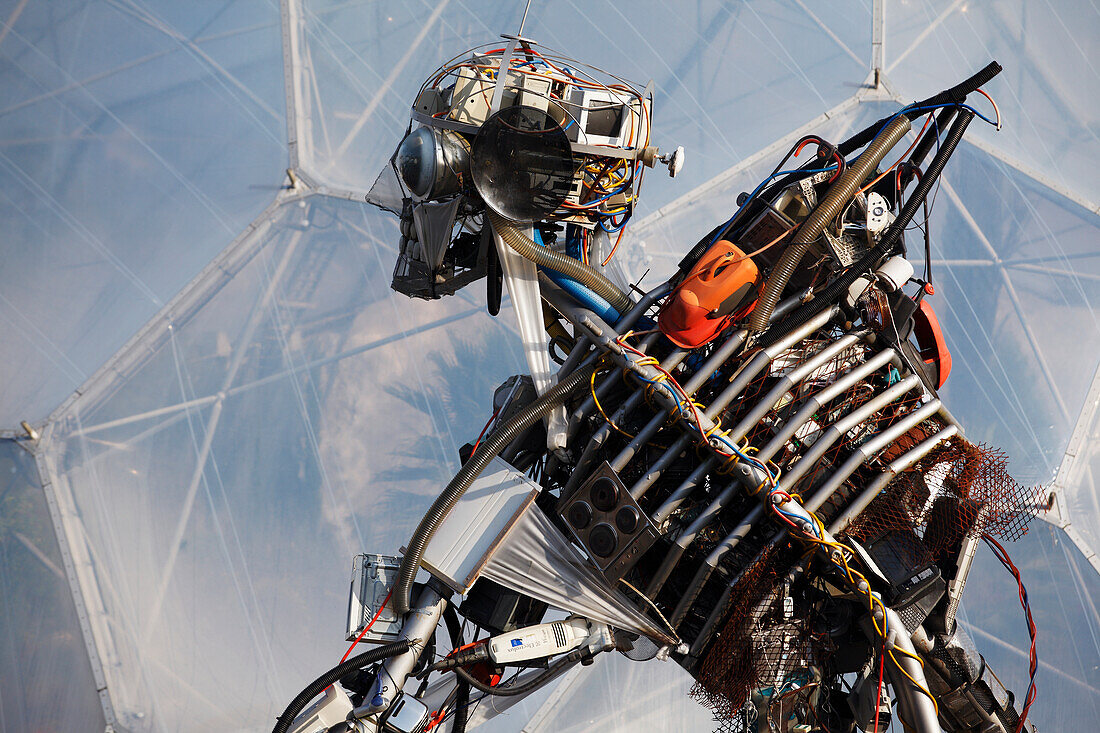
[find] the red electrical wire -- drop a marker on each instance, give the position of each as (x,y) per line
(1033,660)
(482,433)
(367,627)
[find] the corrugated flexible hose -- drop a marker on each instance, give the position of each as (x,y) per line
(315,688)
(839,285)
(831,205)
(556,261)
(489,448)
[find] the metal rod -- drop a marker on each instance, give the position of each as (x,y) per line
(842,426)
(896,466)
(876,443)
(524,18)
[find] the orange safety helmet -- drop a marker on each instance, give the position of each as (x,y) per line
(721,288)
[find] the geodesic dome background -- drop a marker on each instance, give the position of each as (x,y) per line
(227,402)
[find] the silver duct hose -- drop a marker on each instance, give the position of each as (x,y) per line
(490,447)
(835,200)
(548,258)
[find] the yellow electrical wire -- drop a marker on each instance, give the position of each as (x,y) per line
(608,420)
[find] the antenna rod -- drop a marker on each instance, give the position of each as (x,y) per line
(524,19)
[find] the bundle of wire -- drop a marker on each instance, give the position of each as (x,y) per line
(715,437)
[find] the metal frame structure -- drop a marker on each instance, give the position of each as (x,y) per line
(307,181)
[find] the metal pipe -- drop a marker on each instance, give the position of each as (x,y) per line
(814,402)
(896,466)
(876,443)
(916,704)
(419,626)
(703,574)
(628,320)
(790,427)
(724,351)
(842,426)
(792,378)
(688,536)
(741,379)
(682,491)
(748,372)
(600,436)
(608,383)
(720,607)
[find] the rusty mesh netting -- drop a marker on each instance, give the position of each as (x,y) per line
(956,488)
(761,644)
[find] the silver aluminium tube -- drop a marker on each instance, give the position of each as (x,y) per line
(914,700)
(876,443)
(896,466)
(419,626)
(842,426)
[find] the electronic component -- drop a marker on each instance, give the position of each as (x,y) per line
(538,642)
(879,215)
(405,715)
(915,582)
(476,83)
(372,577)
(603,117)
(492,606)
(607,521)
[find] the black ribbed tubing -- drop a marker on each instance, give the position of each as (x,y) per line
(315,688)
(527,687)
(489,448)
(954,95)
(836,289)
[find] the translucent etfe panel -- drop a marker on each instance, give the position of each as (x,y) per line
(1049,92)
(1017,290)
(726,75)
(46,681)
(136,140)
(1064,593)
(298,414)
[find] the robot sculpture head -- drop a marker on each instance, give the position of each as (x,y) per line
(527,134)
